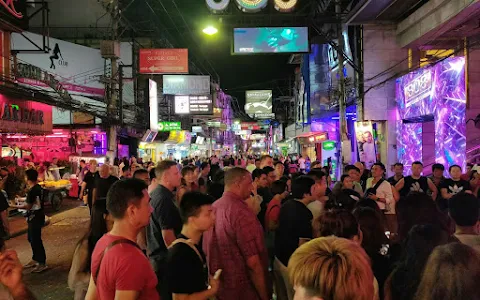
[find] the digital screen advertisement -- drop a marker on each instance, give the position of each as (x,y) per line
(270,40)
(259,103)
(437,92)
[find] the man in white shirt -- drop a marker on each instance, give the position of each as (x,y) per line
(380,191)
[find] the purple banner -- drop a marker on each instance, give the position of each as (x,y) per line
(438,92)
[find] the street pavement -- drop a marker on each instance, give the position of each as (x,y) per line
(59,238)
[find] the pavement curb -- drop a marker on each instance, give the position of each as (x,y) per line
(52,220)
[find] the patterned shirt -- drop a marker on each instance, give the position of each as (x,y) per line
(236,236)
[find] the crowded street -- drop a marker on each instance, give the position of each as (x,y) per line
(239,150)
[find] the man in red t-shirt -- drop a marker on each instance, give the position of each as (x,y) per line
(120,270)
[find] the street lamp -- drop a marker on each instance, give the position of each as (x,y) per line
(210,30)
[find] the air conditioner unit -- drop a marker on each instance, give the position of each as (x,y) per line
(110,49)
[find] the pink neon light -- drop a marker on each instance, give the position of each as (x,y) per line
(57,136)
(17,136)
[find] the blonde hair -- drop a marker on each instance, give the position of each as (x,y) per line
(93,162)
(332,268)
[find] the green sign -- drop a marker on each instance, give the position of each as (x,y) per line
(169,126)
(329,145)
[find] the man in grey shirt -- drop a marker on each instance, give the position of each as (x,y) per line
(165,222)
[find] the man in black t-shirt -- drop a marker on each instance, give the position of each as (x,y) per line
(398,170)
(36,220)
(295,219)
(187,271)
(454,184)
(103,183)
(416,183)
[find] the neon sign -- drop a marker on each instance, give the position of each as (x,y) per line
(251,5)
(419,86)
(8,4)
(14,113)
(285,5)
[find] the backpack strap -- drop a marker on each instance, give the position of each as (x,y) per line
(377,185)
(110,246)
(191,244)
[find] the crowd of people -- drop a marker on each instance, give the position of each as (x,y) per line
(269,228)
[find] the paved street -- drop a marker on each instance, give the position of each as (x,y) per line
(60,238)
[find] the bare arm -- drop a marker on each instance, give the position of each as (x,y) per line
(168,236)
(126,295)
(257,275)
(92,290)
(82,190)
(399,186)
(433,188)
(445,194)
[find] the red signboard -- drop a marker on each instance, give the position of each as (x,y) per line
(163,61)
(19,116)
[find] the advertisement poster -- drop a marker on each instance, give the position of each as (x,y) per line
(270,40)
(259,104)
(366,143)
(163,61)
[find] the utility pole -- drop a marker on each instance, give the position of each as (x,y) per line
(341,83)
(112,96)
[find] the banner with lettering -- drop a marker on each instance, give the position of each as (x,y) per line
(21,116)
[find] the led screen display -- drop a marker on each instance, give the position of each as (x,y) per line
(437,91)
(270,40)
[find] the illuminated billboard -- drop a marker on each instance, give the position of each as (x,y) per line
(259,104)
(270,40)
(195,105)
(153,103)
(186,85)
(437,92)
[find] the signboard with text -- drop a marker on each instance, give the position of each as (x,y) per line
(13,14)
(18,116)
(259,104)
(169,126)
(195,105)
(163,61)
(186,85)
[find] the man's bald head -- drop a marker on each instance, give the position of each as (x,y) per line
(104,171)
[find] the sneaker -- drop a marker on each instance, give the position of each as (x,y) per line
(39,268)
(31,264)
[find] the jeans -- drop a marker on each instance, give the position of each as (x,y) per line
(35,239)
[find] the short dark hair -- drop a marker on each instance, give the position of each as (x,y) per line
(314,164)
(278,163)
(125,168)
(398,164)
(351,167)
(82,161)
(302,185)
(152,174)
(234,175)
(139,172)
(32,175)
(122,193)
(191,204)
(464,209)
(257,173)
(338,222)
(417,163)
(342,178)
(316,174)
(204,165)
(278,187)
(454,166)
(264,157)
(382,166)
(163,166)
(438,167)
(267,170)
(187,169)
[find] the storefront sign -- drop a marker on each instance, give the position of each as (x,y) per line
(169,126)
(186,85)
(36,73)
(417,87)
(24,116)
(10,7)
(215,124)
(163,61)
(330,145)
(195,105)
